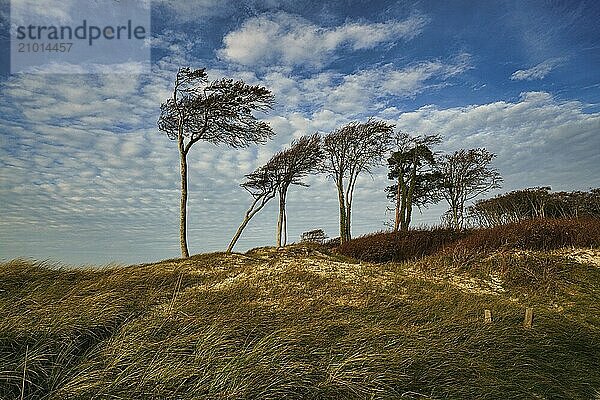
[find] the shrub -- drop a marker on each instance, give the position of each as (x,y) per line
(534,234)
(400,246)
(314,236)
(536,202)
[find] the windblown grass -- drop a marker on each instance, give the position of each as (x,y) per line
(297,323)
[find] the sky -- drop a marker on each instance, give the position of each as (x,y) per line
(87,178)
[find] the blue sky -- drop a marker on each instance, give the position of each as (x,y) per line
(85,176)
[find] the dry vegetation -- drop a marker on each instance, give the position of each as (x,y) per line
(306,324)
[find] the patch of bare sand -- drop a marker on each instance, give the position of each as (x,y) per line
(467,284)
(582,256)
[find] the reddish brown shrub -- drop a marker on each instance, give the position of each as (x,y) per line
(534,234)
(399,246)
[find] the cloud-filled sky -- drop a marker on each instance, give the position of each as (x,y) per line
(86,177)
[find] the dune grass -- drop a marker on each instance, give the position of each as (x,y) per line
(300,323)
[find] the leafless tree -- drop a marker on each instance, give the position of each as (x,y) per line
(350,150)
(219,112)
(466,174)
(262,186)
(305,156)
(285,168)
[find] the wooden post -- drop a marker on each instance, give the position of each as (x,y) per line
(488,316)
(528,322)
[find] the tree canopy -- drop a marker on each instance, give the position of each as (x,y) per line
(465,175)
(353,149)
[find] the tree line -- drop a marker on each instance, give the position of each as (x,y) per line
(537,202)
(221,112)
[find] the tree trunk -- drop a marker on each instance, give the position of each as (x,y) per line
(349,196)
(455,216)
(342,202)
(408,216)
(251,212)
(280,218)
(183,206)
(398,200)
(238,233)
(284,226)
(409,197)
(348,220)
(403,206)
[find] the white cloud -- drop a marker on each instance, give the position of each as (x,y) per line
(538,71)
(366,91)
(87,176)
(286,39)
(539,139)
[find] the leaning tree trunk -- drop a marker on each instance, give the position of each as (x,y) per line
(238,233)
(183,206)
(251,212)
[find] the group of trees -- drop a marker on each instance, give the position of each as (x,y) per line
(221,112)
(538,202)
(344,153)
(287,167)
(424,177)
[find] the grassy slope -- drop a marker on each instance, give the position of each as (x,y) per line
(299,323)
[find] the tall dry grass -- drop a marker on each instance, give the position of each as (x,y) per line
(296,323)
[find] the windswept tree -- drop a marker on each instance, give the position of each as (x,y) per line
(411,166)
(287,167)
(262,186)
(466,174)
(219,112)
(351,150)
(305,156)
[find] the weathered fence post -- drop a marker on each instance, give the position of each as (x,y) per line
(528,322)
(488,316)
